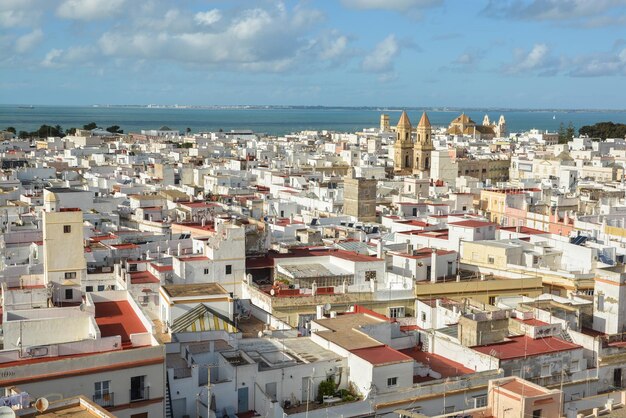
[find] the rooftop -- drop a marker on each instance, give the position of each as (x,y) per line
(193,290)
(442,365)
(118,318)
(523,346)
(381,355)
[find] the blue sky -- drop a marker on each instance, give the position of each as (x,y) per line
(462,53)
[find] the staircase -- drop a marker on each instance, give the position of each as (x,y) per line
(168,397)
(565,336)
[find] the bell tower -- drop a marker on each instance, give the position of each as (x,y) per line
(423,148)
(403,147)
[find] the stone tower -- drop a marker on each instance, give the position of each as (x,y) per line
(423,148)
(384,123)
(403,148)
(359,196)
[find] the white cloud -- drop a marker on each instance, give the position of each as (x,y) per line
(90,9)
(256,39)
(537,60)
(395,5)
(380,60)
(18,13)
(26,42)
(208,18)
(51,58)
(333,48)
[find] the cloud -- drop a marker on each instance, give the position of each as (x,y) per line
(600,65)
(394,5)
(57,58)
(19,13)
(537,60)
(256,39)
(589,13)
(51,58)
(332,47)
(26,42)
(380,60)
(90,9)
(208,18)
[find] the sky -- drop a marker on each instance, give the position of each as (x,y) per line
(419,53)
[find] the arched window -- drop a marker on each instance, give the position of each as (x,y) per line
(419,138)
(417,161)
(406,161)
(427,161)
(406,136)
(427,137)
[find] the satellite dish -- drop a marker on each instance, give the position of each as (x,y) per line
(327,307)
(260,334)
(41,404)
(272,292)
(6,412)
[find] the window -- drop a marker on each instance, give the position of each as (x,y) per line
(396,312)
(492,300)
(574,366)
(392,381)
(100,287)
(537,413)
(491,259)
(89,288)
(206,271)
(229,269)
(70,275)
(423,316)
(69,294)
(370,275)
(480,401)
(138,391)
(67,229)
(102,388)
(545,370)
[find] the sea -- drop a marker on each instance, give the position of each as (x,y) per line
(279,120)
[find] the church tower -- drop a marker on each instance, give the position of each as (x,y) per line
(423,148)
(501,127)
(403,147)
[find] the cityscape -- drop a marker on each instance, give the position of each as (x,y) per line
(237,210)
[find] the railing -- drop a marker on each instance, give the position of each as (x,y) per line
(139,394)
(105,400)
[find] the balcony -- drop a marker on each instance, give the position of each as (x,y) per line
(105,400)
(139,394)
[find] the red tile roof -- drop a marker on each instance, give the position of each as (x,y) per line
(472,224)
(442,365)
(524,346)
(381,355)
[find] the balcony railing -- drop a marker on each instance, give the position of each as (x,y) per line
(105,400)
(139,394)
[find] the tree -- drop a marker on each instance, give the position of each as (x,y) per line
(23,135)
(570,131)
(562,134)
(604,130)
(188,130)
(70,131)
(114,129)
(90,126)
(12,130)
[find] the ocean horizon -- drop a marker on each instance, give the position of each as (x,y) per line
(281,120)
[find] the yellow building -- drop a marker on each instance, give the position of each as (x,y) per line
(423,148)
(403,147)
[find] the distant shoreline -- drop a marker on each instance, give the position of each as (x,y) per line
(311,107)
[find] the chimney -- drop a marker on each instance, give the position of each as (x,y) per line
(379,248)
(433,266)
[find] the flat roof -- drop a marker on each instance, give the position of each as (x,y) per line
(523,346)
(197,289)
(118,318)
(343,330)
(381,355)
(522,388)
(472,224)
